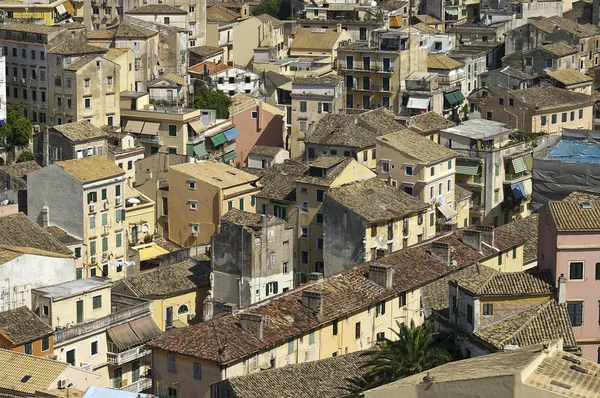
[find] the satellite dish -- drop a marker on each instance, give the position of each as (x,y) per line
(373,3)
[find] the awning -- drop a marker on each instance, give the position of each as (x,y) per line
(218,139)
(133,333)
(396,21)
(69,7)
(60,9)
(134,126)
(519,164)
(199,150)
(229,156)
(446,210)
(459,96)
(197,126)
(151,128)
(150,252)
(231,134)
(528,159)
(452,11)
(518,190)
(470,169)
(418,102)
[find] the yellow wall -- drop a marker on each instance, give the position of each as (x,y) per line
(462,209)
(508,263)
(583,123)
(142,214)
(160,308)
(63,311)
(38,11)
(412,237)
(212,34)
(506,307)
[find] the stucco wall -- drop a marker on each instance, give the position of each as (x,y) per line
(267,129)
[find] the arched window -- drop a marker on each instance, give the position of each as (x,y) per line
(183,309)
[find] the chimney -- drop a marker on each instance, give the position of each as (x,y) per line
(472,239)
(228,308)
(562,289)
(441,250)
(314,302)
(338,27)
(382,274)
(252,324)
(479,268)
(315,276)
(595,11)
(45,147)
(487,234)
(45,216)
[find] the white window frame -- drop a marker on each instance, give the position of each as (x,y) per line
(193,205)
(302,235)
(192,185)
(412,170)
(97,341)
(254,115)
(196,228)
(387,164)
(304,207)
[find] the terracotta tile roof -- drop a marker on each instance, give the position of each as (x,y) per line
(213,67)
(374,200)
(309,39)
(279,181)
(487,282)
(527,226)
(570,76)
(15,366)
(461,193)
(18,230)
(442,61)
(551,97)
(215,173)
(572,215)
(251,220)
(326,378)
(21,325)
(91,168)
(75,47)
(429,122)
(206,51)
(80,131)
(560,49)
(331,80)
(31,28)
(262,150)
(222,340)
(62,236)
(266,18)
(21,169)
(218,13)
(536,325)
(174,279)
(153,9)
(417,146)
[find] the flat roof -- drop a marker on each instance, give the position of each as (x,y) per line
(479,129)
(73,288)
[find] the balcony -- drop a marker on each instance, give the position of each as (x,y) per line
(152,139)
(477,207)
(447,80)
(142,384)
(119,358)
(516,177)
(372,68)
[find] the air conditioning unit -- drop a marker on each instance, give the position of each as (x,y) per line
(14,79)
(36,128)
(63,383)
(93,259)
(191,316)
(195,234)
(104,257)
(106,204)
(93,208)
(118,201)
(22,80)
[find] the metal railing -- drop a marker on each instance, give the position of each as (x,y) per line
(142,384)
(119,358)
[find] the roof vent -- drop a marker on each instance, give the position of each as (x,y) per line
(368,191)
(578,369)
(230,172)
(560,384)
(217,179)
(586,205)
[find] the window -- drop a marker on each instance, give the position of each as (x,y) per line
(554,118)
(408,170)
(138,64)
(357,330)
(97,302)
(499,254)
(385,166)
(92,248)
(549,63)
(488,309)
(470,314)
(581,113)
(104,218)
(192,9)
(45,343)
(241,202)
(172,392)
(285,267)
(167,20)
(529,61)
(172,130)
(290,347)
(171,362)
(94,348)
(197,369)
(380,309)
(304,232)
(408,189)
(319,218)
(311,338)
(271,288)
(437,45)
(597,271)
(500,101)
(304,207)
(380,336)
(302,106)
(488,115)
(193,205)
(544,120)
(304,257)
(320,194)
(105,244)
(402,299)
(431,219)
(86,83)
(432,171)
(319,243)
(92,222)
(576,270)
(118,239)
(575,310)
(564,117)
(28,348)
(87,103)
(229,204)
(302,128)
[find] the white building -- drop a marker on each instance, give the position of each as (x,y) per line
(2,90)
(261,156)
(237,80)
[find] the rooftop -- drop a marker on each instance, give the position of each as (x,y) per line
(79,131)
(578,30)
(279,181)
(206,51)
(570,215)
(461,193)
(429,122)
(262,150)
(560,49)
(569,77)
(487,282)
(170,77)
(417,146)
(527,226)
(443,62)
(174,279)
(73,288)
(332,80)
(509,71)
(122,30)
(479,129)
(31,28)
(62,236)
(375,201)
(266,18)
(314,39)
(75,47)
(251,220)
(576,148)
(551,97)
(211,67)
(219,13)
(242,101)
(21,169)
(216,173)
(91,168)
(18,230)
(153,9)
(21,325)
(15,366)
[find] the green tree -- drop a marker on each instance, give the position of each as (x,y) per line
(280,9)
(16,131)
(417,349)
(25,156)
(209,98)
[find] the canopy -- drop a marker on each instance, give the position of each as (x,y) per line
(197,126)
(452,11)
(151,128)
(418,102)
(150,252)
(454,97)
(446,210)
(519,164)
(229,156)
(69,7)
(134,126)
(60,9)
(199,150)
(518,190)
(470,169)
(396,21)
(133,333)
(231,134)
(218,139)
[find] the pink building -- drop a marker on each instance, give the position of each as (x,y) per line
(258,124)
(569,245)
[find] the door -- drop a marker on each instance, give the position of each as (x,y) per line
(138,86)
(135,370)
(117,377)
(169,317)
(71,357)
(134,234)
(79,311)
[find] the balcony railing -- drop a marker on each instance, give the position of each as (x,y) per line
(119,358)
(516,177)
(142,384)
(371,68)
(154,139)
(449,79)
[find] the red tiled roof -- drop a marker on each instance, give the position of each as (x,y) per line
(213,67)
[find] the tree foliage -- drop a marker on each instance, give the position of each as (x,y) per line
(280,9)
(25,156)
(417,349)
(209,98)
(16,131)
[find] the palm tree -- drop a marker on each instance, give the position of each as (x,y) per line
(416,349)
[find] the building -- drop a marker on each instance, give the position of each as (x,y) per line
(262,157)
(178,297)
(44,374)
(124,150)
(69,141)
(205,53)
(350,135)
(91,209)
(375,72)
(252,258)
(74,244)
(570,79)
(425,170)
(533,370)
(44,13)
(13,180)
(31,258)
(99,331)
(311,99)
(475,62)
(537,110)
(332,316)
(200,193)
(318,43)
(366,220)
(423,93)
(495,164)
(566,229)
(140,213)
(451,72)
(22,331)
(549,57)
(258,124)
(428,124)
(526,226)
(508,77)
(168,89)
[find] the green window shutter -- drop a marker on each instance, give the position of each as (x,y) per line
(104,194)
(119,241)
(92,221)
(78,252)
(230,205)
(241,203)
(267,289)
(431,219)
(104,218)
(93,248)
(118,215)
(252,200)
(123,214)
(118,190)
(275,288)
(105,244)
